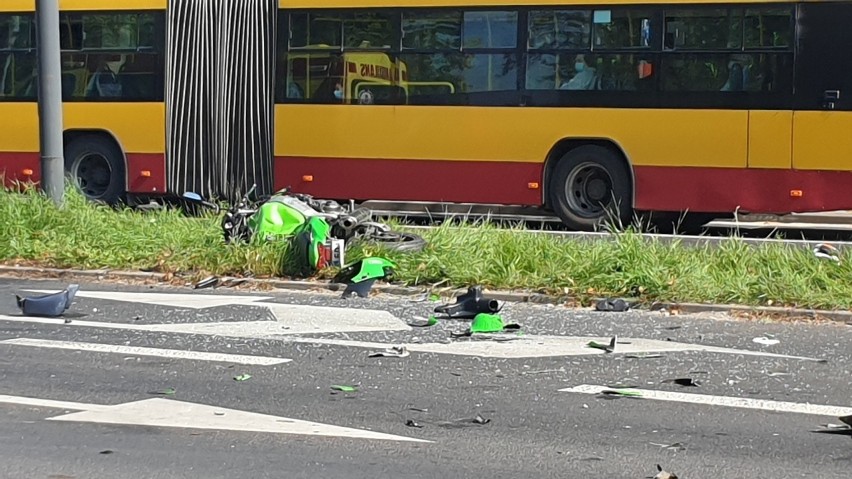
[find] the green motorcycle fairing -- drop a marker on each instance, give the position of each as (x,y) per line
(281,216)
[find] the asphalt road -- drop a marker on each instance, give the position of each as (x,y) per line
(76,402)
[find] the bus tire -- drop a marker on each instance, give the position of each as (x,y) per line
(590,186)
(95,164)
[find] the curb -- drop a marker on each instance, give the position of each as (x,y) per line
(844,317)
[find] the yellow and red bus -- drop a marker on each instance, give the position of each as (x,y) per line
(113,57)
(581,108)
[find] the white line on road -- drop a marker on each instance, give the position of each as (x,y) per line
(139,351)
(747,403)
(49,403)
(158,412)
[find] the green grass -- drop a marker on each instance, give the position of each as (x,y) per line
(84,235)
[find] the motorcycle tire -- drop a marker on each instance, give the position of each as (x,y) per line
(397,241)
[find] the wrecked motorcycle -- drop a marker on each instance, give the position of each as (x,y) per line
(284,214)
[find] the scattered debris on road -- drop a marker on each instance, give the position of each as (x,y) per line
(360,276)
(49,305)
(676,446)
(423,322)
(208,282)
(766,341)
(612,305)
(644,356)
(685,382)
(664,474)
(163,392)
(412,423)
(344,388)
(470,304)
(621,393)
(392,352)
(242,377)
(609,348)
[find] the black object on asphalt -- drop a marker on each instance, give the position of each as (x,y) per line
(208,282)
(50,305)
(686,382)
(612,305)
(469,304)
(412,423)
(480,420)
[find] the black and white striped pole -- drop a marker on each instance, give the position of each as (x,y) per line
(50,100)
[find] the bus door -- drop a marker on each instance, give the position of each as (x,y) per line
(822,122)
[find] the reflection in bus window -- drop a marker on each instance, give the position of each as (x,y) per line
(490,29)
(315,29)
(16,32)
(460,74)
(616,72)
(17,60)
(370,30)
(111,76)
(728,72)
(551,29)
(703,29)
(431,31)
(768,28)
(622,28)
(312,77)
(110,31)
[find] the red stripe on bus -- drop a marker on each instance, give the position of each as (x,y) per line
(14,166)
(717,190)
(146,173)
(411,180)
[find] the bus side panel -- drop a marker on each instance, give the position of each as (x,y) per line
(757,190)
(19,159)
(492,155)
(139,128)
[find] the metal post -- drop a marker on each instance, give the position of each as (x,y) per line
(50,100)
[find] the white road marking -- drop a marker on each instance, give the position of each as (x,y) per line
(531,346)
(139,351)
(49,403)
(747,403)
(158,412)
(527,346)
(296,317)
(193,301)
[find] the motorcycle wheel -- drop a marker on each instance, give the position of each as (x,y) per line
(397,241)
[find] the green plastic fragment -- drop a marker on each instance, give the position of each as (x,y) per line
(346,389)
(242,377)
(432,321)
(434,297)
(165,392)
(487,323)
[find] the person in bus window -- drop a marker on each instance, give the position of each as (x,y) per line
(585,75)
(338,91)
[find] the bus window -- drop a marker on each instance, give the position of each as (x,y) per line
(431,31)
(552,29)
(622,28)
(618,72)
(768,28)
(728,72)
(110,31)
(315,30)
(703,29)
(370,30)
(16,32)
(490,29)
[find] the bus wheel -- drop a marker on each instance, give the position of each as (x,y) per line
(96,166)
(591,186)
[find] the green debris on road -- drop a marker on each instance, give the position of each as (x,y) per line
(242,377)
(346,389)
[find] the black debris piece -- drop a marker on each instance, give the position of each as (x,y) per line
(468,305)
(361,289)
(480,420)
(685,382)
(612,305)
(412,423)
(208,282)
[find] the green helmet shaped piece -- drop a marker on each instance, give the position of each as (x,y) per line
(366,269)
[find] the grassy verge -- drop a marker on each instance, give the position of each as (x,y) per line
(84,235)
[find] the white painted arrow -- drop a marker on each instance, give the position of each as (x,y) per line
(297,318)
(158,412)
